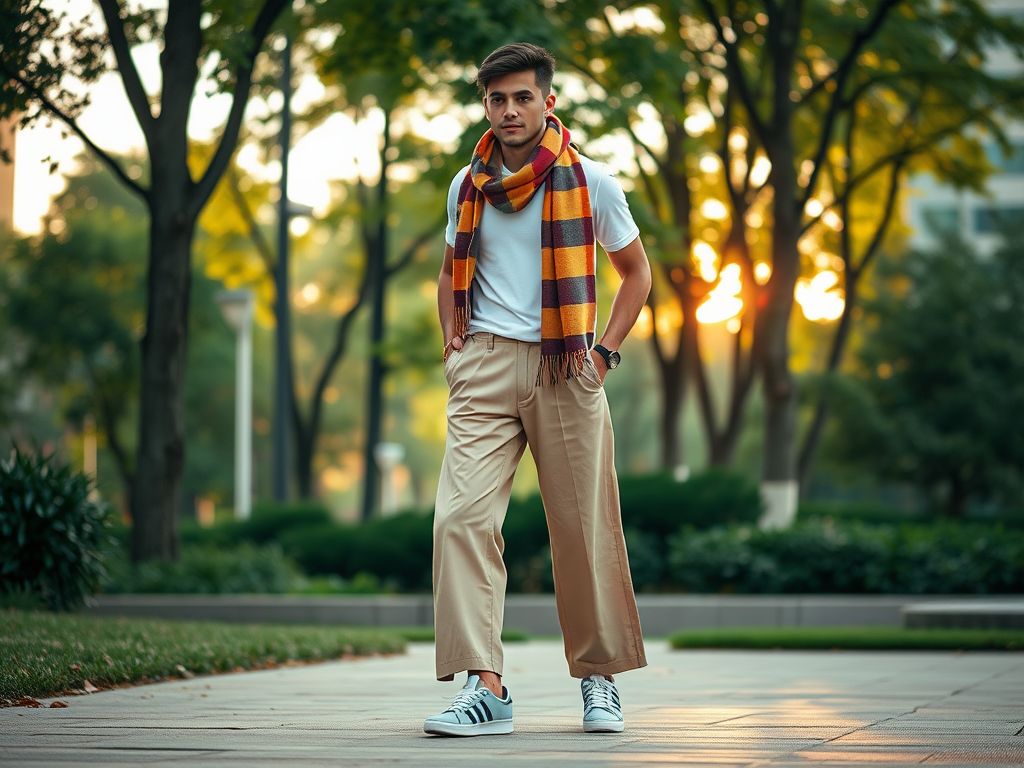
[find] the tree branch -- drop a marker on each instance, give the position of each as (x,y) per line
(738,79)
(54,110)
(839,76)
(418,242)
(137,96)
(255,233)
(859,39)
(240,96)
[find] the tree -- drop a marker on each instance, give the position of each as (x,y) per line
(943,372)
(918,103)
(42,52)
(837,100)
(404,60)
(75,301)
(75,298)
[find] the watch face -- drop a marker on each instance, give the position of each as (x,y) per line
(613,360)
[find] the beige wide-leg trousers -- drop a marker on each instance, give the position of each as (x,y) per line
(495,409)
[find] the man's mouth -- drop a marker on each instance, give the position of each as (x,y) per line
(510,126)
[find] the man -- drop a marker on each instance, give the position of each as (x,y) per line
(517,303)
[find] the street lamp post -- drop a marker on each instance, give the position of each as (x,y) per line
(237,307)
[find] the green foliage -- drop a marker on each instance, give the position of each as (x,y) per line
(244,569)
(397,550)
(852,638)
(660,505)
(943,370)
(864,513)
(269,521)
(50,532)
(45,655)
(850,558)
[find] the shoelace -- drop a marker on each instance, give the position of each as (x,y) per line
(466,698)
(599,695)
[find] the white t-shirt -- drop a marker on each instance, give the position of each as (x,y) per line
(507,278)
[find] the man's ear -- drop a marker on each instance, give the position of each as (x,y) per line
(549,104)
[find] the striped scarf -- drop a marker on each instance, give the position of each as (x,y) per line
(568,289)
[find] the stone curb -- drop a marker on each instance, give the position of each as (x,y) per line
(537,614)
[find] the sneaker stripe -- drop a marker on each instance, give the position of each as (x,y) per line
(471,714)
(487,710)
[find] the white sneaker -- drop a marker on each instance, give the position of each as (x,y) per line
(602,712)
(474,712)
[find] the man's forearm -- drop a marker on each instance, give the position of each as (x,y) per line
(628,302)
(446,306)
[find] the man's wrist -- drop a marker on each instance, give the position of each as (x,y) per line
(612,358)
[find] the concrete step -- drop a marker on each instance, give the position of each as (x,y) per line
(966,614)
(659,614)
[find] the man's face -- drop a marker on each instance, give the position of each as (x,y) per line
(516,109)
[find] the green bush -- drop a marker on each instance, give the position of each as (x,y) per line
(269,521)
(659,505)
(204,570)
(50,533)
(864,513)
(397,550)
(821,557)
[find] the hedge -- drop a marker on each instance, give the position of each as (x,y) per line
(819,557)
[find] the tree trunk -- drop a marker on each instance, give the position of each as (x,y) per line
(160,462)
(376,254)
(817,428)
(673,397)
(779,485)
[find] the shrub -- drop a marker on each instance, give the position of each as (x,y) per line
(852,558)
(245,569)
(269,521)
(646,560)
(865,513)
(50,533)
(397,550)
(660,505)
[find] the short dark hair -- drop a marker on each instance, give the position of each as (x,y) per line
(518,57)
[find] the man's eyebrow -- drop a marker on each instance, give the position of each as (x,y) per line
(523,92)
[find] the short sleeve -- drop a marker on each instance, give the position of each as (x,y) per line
(453,206)
(614,227)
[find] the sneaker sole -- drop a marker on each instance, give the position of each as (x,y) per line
(597,726)
(493,728)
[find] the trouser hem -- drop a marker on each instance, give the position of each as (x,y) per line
(448,670)
(609,668)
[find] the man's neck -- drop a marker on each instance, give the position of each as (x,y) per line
(514,158)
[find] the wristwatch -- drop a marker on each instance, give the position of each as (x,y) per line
(611,359)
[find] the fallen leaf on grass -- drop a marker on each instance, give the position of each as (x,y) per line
(89,687)
(58,705)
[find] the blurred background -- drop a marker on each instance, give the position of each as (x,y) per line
(832,200)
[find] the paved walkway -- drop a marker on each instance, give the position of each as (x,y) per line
(717,708)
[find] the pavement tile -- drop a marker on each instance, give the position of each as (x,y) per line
(717,708)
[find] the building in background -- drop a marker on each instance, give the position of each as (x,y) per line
(933,208)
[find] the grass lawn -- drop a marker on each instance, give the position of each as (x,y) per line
(852,638)
(46,654)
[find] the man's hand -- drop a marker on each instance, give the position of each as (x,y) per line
(452,345)
(599,364)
